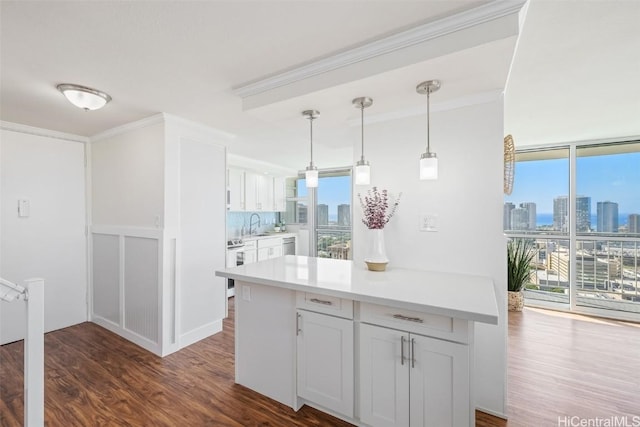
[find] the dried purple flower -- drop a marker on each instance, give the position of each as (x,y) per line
(375,205)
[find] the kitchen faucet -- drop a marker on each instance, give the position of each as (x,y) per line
(251,223)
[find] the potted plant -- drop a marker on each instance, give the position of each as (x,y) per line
(520,255)
(378,208)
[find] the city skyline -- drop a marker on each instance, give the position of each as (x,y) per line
(613,177)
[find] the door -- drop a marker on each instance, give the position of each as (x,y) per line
(325,361)
(50,241)
(384,377)
(333,215)
(279,194)
(250,191)
(439,383)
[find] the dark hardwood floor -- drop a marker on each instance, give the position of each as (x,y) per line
(558,365)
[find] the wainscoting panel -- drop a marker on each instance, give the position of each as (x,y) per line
(141,292)
(126,283)
(106,277)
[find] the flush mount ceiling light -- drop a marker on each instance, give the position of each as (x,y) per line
(363,170)
(311,174)
(84,97)
(428,160)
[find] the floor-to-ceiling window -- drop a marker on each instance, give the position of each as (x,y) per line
(580,207)
(324,212)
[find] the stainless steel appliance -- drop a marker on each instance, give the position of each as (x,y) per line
(289,246)
(235,257)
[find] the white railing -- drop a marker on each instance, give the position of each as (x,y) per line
(32,293)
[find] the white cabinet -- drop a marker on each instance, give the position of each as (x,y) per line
(325,361)
(235,195)
(264,193)
(412,380)
(279,194)
(269,248)
(250,191)
(250,252)
(253,191)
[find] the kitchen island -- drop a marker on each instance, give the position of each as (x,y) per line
(390,348)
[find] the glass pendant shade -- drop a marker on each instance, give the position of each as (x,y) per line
(363,173)
(311,177)
(428,166)
(84,97)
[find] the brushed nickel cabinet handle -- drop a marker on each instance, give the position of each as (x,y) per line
(407,318)
(321,301)
(298,330)
(402,350)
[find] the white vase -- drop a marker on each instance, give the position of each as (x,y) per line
(376,251)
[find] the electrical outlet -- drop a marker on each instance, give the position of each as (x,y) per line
(429,222)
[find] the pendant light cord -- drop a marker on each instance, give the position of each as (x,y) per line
(362,129)
(428,121)
(311,137)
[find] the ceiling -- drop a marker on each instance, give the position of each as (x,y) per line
(574,75)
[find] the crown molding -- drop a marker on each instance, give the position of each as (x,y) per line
(31,130)
(138,124)
(422,33)
(199,126)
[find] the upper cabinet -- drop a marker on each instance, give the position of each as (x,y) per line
(252,191)
(235,191)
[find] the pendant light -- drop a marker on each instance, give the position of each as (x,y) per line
(84,97)
(363,170)
(428,160)
(311,174)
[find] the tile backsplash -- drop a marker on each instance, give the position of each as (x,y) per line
(237,222)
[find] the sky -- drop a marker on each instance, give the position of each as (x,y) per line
(614,178)
(332,191)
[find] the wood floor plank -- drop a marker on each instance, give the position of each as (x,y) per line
(558,364)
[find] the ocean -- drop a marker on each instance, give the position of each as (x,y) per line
(547,219)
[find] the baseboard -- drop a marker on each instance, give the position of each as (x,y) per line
(199,333)
(494,413)
(128,335)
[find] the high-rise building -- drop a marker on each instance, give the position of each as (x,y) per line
(323,214)
(530,207)
(302,213)
(561,213)
(519,219)
(344,215)
(634,223)
(506,215)
(583,213)
(607,217)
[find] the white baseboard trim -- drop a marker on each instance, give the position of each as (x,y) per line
(494,413)
(199,333)
(141,341)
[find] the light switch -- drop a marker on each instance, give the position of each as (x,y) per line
(429,222)
(23,208)
(246,293)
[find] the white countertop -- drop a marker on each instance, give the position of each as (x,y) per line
(451,294)
(268,236)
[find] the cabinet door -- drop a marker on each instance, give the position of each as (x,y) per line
(439,383)
(251,191)
(325,361)
(236,189)
(276,251)
(279,194)
(384,376)
(263,253)
(250,256)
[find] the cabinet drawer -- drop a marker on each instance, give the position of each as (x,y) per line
(325,304)
(250,244)
(432,325)
(269,242)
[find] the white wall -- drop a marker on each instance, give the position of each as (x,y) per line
(127,172)
(468,200)
(51,242)
(195,210)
